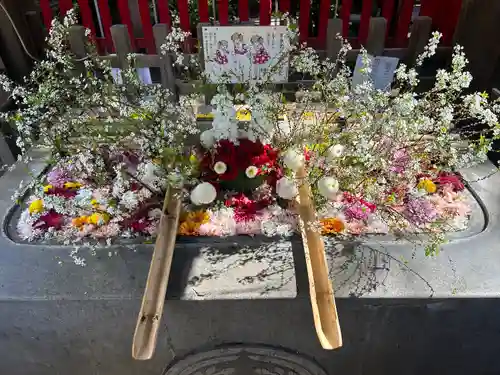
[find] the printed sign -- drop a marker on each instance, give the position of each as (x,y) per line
(382,73)
(243,53)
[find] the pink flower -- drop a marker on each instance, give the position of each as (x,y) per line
(400,160)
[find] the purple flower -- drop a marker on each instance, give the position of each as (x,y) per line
(400,160)
(420,211)
(58,176)
(356,211)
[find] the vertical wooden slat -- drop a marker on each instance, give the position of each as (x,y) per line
(122,44)
(106,22)
(375,41)
(223,12)
(126,19)
(404,22)
(160,32)
(86,14)
(346,17)
(333,44)
(366,13)
(324,15)
(265,12)
(77,43)
(147,28)
(64,6)
(164,12)
(420,34)
(203,10)
(387,12)
(182,6)
(243,10)
(284,6)
(304,17)
(46,13)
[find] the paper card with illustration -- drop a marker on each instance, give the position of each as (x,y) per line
(382,74)
(243,53)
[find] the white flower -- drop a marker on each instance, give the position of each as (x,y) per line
(328,187)
(207,138)
(251,171)
(220,167)
(335,151)
(286,188)
(293,159)
(203,193)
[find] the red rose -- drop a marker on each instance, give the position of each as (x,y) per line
(453,179)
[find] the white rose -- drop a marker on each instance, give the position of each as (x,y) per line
(286,188)
(293,159)
(328,187)
(335,152)
(251,171)
(203,193)
(207,139)
(220,167)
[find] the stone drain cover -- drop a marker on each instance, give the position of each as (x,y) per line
(245,360)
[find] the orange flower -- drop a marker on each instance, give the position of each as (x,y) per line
(80,221)
(188,228)
(332,226)
(191,223)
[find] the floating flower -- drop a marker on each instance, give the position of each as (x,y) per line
(328,187)
(400,160)
(36,206)
(99,218)
(445,178)
(200,216)
(72,185)
(203,193)
(335,152)
(420,211)
(80,221)
(286,188)
(252,171)
(356,211)
(332,225)
(46,188)
(207,139)
(50,219)
(57,177)
(427,185)
(293,159)
(220,167)
(188,228)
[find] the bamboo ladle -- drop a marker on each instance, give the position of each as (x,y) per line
(148,321)
(323,306)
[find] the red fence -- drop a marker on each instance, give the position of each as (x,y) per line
(445,14)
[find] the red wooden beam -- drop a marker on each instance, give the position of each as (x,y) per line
(284,6)
(64,6)
(265,12)
(387,12)
(304,16)
(163,12)
(345,14)
(86,13)
(324,15)
(223,12)
(147,28)
(106,23)
(126,20)
(46,13)
(243,10)
(364,27)
(203,10)
(403,28)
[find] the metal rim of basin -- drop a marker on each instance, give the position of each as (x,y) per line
(245,359)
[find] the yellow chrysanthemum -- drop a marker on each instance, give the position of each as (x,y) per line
(332,226)
(200,217)
(36,206)
(80,221)
(99,218)
(46,188)
(188,228)
(72,185)
(94,202)
(427,185)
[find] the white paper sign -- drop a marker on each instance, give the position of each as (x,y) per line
(382,73)
(243,53)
